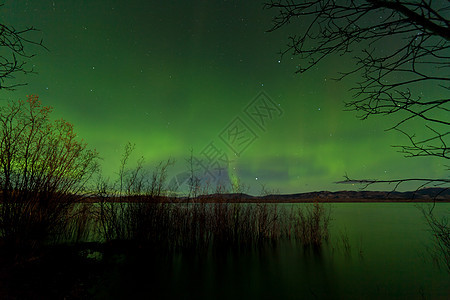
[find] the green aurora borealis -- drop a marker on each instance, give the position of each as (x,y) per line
(170,76)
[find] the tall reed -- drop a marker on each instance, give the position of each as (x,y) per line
(136,209)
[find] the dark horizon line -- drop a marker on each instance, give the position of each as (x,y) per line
(423,195)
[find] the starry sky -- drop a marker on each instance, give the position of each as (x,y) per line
(175,76)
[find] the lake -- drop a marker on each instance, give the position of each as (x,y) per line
(375,251)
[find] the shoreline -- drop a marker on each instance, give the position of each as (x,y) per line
(272,201)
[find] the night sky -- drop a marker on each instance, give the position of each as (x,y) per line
(171,76)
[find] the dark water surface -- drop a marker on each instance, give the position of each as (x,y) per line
(388,256)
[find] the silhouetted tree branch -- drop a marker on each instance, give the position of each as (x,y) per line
(397,182)
(402,66)
(401,53)
(13,56)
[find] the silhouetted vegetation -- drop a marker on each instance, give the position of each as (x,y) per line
(310,224)
(49,224)
(13,55)
(440,230)
(43,173)
(143,213)
(391,80)
(390,77)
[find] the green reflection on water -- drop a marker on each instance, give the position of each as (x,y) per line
(386,257)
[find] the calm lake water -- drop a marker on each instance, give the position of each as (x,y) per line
(389,257)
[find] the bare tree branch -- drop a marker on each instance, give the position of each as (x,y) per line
(13,57)
(397,182)
(402,58)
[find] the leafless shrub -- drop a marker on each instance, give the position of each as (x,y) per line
(440,230)
(43,173)
(136,209)
(310,224)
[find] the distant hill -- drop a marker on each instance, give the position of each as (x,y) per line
(423,195)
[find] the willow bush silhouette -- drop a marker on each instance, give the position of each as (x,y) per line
(440,230)
(136,210)
(131,205)
(44,170)
(310,224)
